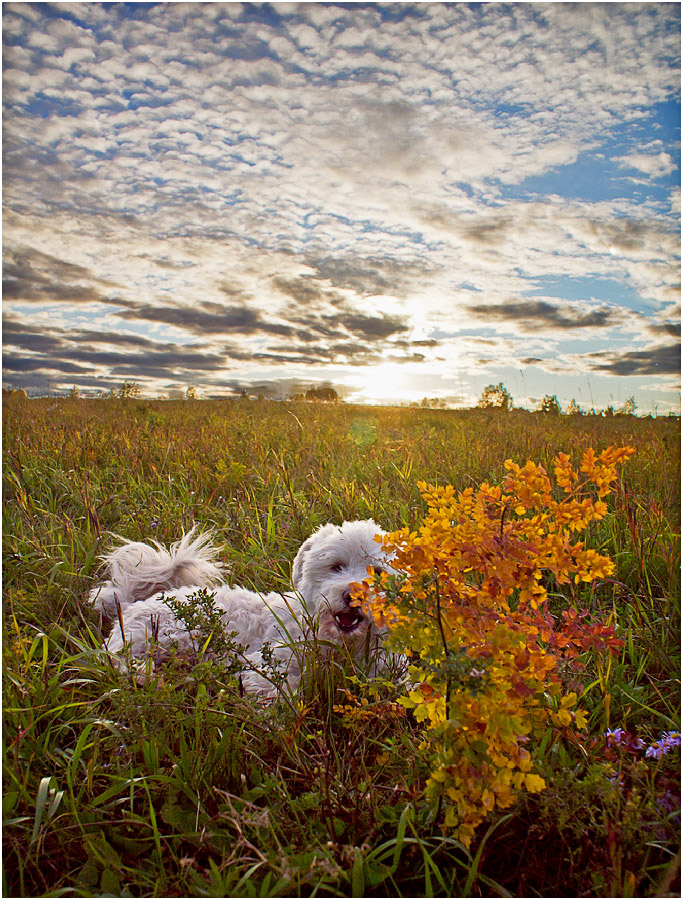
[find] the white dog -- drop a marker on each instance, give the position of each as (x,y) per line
(141,575)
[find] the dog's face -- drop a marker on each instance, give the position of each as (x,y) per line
(333,558)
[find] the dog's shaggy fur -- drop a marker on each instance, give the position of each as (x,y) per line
(140,576)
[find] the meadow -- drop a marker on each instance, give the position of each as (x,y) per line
(184,787)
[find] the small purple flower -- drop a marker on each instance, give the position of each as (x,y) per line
(667,742)
(618,737)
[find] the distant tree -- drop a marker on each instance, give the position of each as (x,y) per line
(191,393)
(629,407)
(573,409)
(433,403)
(129,390)
(324,394)
(17,393)
(495,396)
(74,393)
(550,405)
(609,411)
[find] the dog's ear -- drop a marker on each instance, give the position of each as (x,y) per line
(298,564)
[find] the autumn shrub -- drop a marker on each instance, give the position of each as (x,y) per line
(470,602)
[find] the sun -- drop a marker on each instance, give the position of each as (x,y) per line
(382,382)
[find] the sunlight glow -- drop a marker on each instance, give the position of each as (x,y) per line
(385,381)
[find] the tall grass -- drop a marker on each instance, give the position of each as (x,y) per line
(183,787)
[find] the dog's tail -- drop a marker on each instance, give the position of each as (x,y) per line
(137,571)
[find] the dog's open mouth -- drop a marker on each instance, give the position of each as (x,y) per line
(348,620)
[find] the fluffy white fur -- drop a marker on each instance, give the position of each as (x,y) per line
(141,575)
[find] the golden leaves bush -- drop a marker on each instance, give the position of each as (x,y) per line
(470,603)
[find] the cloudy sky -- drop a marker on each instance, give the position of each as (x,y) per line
(402,200)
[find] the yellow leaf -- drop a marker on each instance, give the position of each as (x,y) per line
(517,780)
(564,717)
(407,702)
(581,718)
(534,783)
(421,713)
(525,763)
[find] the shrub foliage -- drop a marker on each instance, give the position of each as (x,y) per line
(472,602)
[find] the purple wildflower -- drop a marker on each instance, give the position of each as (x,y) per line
(667,742)
(616,736)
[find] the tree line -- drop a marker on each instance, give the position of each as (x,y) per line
(494,396)
(497,396)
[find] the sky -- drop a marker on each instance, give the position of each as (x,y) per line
(400,200)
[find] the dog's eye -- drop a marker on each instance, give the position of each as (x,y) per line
(336,567)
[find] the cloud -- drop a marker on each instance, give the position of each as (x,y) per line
(29,337)
(633,236)
(532,315)
(303,289)
(101,369)
(663,360)
(32,276)
(655,165)
(205,317)
(369,327)
(490,232)
(360,275)
(670,329)
(12,364)
(46,346)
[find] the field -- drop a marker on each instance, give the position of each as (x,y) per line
(184,787)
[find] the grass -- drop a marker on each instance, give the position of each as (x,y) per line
(184,787)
